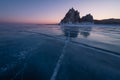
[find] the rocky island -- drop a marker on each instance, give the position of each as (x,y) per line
(73,17)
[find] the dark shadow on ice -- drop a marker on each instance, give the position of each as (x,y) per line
(70,31)
(85,31)
(74,31)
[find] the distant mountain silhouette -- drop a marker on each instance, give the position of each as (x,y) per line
(107,21)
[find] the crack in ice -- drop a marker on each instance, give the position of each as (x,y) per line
(59,62)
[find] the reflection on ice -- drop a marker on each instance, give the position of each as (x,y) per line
(75,31)
(34,50)
(94,36)
(85,31)
(72,31)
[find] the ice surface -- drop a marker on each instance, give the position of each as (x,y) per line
(30,52)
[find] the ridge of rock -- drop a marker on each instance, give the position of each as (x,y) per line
(73,17)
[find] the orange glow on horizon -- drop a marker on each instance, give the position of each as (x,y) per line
(30,21)
(36,12)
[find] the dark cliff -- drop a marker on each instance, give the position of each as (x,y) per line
(87,18)
(72,17)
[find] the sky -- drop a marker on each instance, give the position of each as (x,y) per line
(52,11)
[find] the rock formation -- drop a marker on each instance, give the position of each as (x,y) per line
(87,18)
(72,17)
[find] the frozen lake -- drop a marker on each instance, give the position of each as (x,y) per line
(53,52)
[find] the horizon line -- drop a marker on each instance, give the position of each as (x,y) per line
(13,22)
